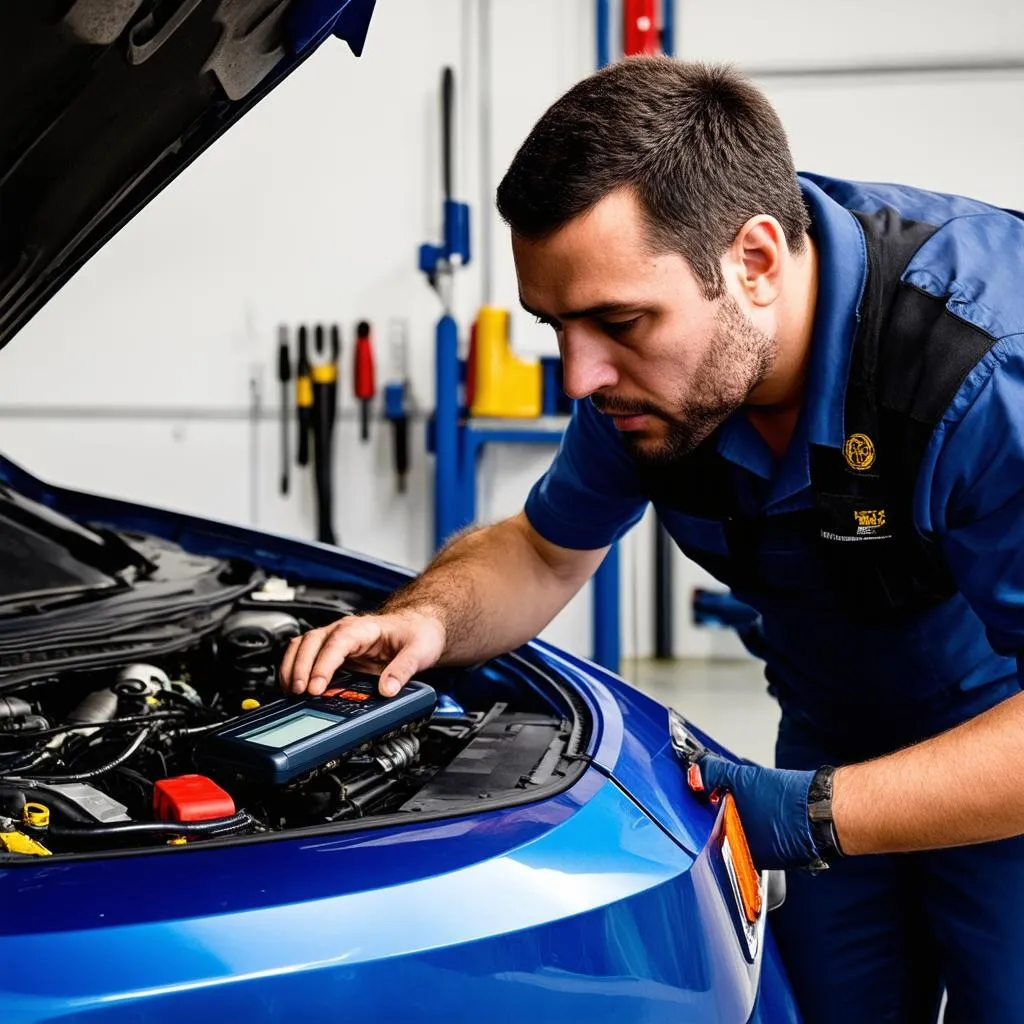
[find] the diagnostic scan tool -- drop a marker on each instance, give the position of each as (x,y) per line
(295,735)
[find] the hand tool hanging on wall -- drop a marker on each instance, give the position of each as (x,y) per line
(363,383)
(284,376)
(325,397)
(395,398)
(255,462)
(336,359)
(303,397)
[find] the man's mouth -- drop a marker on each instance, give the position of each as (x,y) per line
(627,418)
(628,424)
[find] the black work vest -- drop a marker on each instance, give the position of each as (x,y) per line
(909,359)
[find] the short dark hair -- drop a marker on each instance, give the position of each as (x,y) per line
(702,149)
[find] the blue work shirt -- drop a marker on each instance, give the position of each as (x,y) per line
(872,687)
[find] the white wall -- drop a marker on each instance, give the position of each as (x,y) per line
(312,209)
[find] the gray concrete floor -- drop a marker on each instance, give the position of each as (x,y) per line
(727,699)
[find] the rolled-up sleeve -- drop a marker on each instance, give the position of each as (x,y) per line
(591,494)
(976,501)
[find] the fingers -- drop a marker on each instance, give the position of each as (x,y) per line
(298,657)
(352,636)
(411,643)
(410,660)
(312,659)
(288,663)
(715,771)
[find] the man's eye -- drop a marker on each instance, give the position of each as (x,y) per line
(616,327)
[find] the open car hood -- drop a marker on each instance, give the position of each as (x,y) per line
(104,102)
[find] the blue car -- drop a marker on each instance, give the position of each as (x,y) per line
(515,840)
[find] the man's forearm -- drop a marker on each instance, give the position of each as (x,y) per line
(962,787)
(494,588)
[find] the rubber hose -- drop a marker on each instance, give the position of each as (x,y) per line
(34,761)
(153,716)
(214,826)
(103,768)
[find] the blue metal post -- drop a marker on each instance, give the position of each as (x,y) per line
(447,487)
(603,44)
(607,650)
(668,27)
(606,579)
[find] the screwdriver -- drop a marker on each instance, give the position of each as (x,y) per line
(362,378)
(284,375)
(336,359)
(325,397)
(303,397)
(395,396)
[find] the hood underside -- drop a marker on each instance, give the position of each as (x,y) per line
(103,102)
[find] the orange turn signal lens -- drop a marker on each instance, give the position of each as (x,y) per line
(746,877)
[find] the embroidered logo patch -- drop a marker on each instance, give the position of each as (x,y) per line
(859,451)
(869,521)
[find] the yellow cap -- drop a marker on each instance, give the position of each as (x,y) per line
(177,841)
(36,814)
(250,704)
(152,701)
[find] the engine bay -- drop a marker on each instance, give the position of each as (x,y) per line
(96,759)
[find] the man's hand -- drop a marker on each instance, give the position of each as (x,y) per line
(397,645)
(773,808)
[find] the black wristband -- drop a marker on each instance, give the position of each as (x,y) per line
(819,815)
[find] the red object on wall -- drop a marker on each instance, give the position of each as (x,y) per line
(191,798)
(640,27)
(363,380)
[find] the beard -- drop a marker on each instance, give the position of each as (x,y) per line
(736,362)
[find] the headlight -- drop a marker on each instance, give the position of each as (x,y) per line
(684,743)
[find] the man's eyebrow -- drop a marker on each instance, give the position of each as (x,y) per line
(601,309)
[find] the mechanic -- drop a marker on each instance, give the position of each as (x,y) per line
(820,385)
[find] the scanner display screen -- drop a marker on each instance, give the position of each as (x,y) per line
(280,734)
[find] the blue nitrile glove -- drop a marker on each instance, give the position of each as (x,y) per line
(773,808)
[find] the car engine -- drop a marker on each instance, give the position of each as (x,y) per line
(103,759)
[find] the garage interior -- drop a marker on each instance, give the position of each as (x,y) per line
(259,403)
(311,212)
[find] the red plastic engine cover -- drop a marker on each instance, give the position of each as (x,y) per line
(191,798)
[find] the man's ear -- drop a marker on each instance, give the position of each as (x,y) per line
(755,259)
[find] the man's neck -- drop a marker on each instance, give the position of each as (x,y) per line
(775,411)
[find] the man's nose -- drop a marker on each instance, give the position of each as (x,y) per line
(585,368)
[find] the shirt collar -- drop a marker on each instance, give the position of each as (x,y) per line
(842,271)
